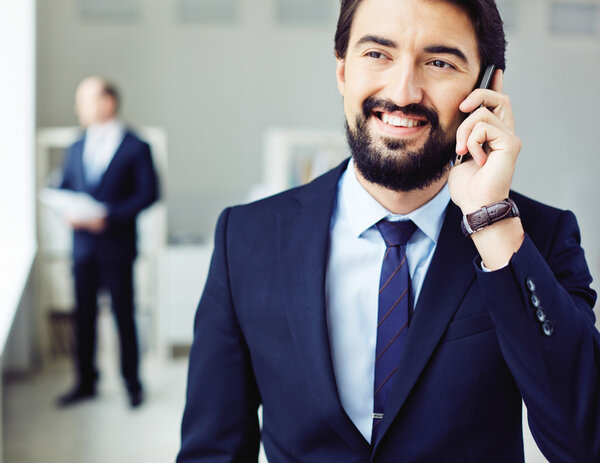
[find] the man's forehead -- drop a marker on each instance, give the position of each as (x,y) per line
(90,86)
(426,23)
(442,11)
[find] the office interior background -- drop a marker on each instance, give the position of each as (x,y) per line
(238,99)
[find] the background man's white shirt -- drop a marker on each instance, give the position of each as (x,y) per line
(100,145)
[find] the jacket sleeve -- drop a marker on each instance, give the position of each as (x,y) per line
(553,353)
(220,421)
(145,189)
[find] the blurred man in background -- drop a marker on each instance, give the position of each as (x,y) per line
(114,167)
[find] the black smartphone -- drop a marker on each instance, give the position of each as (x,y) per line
(486,81)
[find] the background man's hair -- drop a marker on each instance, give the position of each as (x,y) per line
(111,90)
(489,29)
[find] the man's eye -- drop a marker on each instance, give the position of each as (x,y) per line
(375,55)
(438,63)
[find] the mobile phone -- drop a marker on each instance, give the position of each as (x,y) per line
(485,82)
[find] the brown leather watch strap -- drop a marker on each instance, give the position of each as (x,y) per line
(488,215)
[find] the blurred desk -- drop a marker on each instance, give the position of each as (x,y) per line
(183,275)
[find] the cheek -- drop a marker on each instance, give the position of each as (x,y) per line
(359,84)
(450,116)
(351,112)
(353,100)
(353,103)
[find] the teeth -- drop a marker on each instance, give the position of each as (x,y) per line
(399,121)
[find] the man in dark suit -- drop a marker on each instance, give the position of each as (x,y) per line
(357,312)
(114,167)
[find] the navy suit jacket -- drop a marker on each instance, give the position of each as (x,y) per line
(128,186)
(475,346)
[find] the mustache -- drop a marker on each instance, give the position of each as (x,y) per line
(413,109)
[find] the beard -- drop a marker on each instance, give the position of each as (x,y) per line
(389,163)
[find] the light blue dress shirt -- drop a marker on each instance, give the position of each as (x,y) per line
(352,285)
(100,145)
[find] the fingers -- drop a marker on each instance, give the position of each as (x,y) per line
(465,130)
(493,99)
(482,132)
(94,225)
(497,103)
(489,108)
(495,138)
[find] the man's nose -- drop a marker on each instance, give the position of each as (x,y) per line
(404,86)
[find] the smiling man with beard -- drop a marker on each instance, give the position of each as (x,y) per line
(418,169)
(399,309)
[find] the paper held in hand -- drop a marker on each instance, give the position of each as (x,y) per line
(72,205)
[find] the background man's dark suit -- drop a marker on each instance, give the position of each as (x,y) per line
(475,346)
(127,186)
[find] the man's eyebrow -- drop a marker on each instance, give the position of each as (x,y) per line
(376,39)
(447,50)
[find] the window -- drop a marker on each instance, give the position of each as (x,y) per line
(17,149)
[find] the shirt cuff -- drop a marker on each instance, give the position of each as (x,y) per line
(487,270)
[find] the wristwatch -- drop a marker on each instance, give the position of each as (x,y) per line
(488,215)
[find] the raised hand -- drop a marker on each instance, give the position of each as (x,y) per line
(487,178)
(489,135)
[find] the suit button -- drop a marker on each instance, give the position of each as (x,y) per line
(530,285)
(535,300)
(540,314)
(548,328)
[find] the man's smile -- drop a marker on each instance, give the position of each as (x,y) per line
(399,124)
(399,120)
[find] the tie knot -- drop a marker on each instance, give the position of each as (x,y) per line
(396,233)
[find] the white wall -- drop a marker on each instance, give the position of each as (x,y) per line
(216,88)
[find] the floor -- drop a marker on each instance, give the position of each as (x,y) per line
(103,430)
(98,431)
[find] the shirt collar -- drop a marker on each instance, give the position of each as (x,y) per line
(112,126)
(362,211)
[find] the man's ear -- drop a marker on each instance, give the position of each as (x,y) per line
(106,107)
(340,73)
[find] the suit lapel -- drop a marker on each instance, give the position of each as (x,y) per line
(449,277)
(79,168)
(303,248)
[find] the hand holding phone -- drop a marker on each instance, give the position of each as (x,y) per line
(486,81)
(489,136)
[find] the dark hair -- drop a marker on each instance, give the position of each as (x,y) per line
(484,15)
(109,89)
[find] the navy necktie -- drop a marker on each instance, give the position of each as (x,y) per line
(393,312)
